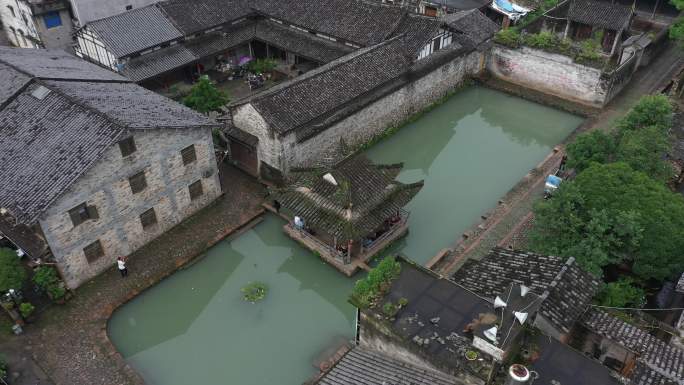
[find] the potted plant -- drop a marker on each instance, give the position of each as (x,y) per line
(471,355)
(26,309)
(3,369)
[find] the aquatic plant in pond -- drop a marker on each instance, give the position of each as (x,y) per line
(254,291)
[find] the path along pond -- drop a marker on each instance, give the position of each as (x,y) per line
(194,327)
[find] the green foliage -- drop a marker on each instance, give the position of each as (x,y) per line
(543,40)
(643,150)
(509,37)
(26,309)
(677,28)
(12,273)
(651,110)
(46,278)
(205,97)
(402,301)
(260,66)
(390,309)
(376,282)
(254,291)
(622,293)
(611,214)
(3,368)
(590,51)
(595,146)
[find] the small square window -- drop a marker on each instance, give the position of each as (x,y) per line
(137,182)
(93,251)
(127,146)
(189,155)
(148,218)
(195,190)
(52,19)
(82,213)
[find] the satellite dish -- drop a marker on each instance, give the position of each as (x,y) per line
(498,302)
(524,290)
(330,179)
(491,333)
(520,317)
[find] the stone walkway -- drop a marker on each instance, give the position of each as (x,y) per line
(520,203)
(70,342)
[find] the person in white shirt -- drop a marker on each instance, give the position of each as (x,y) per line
(299,223)
(121,263)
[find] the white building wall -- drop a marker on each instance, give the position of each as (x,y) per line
(106,187)
(18,24)
(89,10)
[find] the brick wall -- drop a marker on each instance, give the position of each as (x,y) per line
(106,187)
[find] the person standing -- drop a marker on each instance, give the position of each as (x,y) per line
(121,263)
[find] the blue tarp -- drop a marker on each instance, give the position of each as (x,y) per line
(505,5)
(553,180)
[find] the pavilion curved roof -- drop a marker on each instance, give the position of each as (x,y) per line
(349,200)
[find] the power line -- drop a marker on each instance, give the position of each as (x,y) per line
(635,308)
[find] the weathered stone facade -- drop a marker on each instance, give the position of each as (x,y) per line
(106,186)
(283,152)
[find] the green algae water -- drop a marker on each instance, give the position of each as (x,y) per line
(194,327)
(470,151)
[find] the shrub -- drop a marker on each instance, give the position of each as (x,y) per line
(254,291)
(12,273)
(543,40)
(56,292)
(595,146)
(45,276)
(390,309)
(622,293)
(260,66)
(376,282)
(403,301)
(3,368)
(26,309)
(509,37)
(590,51)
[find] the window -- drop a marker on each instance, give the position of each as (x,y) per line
(188,154)
(195,190)
(82,213)
(127,146)
(12,11)
(148,218)
(129,7)
(93,251)
(52,19)
(138,182)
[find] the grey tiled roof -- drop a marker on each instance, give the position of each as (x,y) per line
(473,26)
(417,31)
(644,375)
(662,359)
(54,64)
(364,23)
(191,16)
(135,30)
(46,144)
(568,289)
(293,104)
(158,62)
(301,43)
(599,13)
(12,82)
(363,366)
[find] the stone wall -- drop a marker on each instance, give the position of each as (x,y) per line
(269,149)
(549,73)
(106,187)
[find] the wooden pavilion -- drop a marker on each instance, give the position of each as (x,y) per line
(348,212)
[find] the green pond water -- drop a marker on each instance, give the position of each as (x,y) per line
(194,327)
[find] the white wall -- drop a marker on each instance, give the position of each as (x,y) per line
(18,23)
(89,10)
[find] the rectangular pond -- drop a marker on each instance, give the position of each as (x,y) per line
(194,327)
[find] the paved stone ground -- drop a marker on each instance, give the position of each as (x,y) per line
(646,80)
(70,342)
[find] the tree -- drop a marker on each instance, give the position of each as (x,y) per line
(595,146)
(612,214)
(12,273)
(205,97)
(643,150)
(677,28)
(651,110)
(622,293)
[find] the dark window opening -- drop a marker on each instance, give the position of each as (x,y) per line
(195,190)
(129,7)
(93,251)
(148,218)
(188,154)
(127,146)
(137,182)
(82,213)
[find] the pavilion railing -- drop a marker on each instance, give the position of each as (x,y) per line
(390,233)
(331,250)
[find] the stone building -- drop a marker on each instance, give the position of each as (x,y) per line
(37,23)
(92,165)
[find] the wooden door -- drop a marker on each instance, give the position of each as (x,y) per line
(244,156)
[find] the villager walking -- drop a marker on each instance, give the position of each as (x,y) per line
(121,262)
